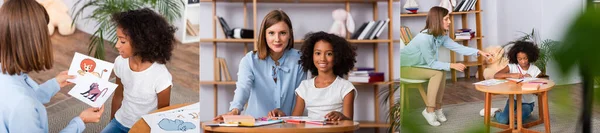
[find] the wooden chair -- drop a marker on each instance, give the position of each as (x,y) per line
(406,83)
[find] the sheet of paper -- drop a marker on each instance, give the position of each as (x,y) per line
(490,82)
(183,121)
(83,64)
(92,90)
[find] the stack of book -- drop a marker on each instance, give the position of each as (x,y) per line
(405,34)
(365,75)
(370,30)
(464,34)
(465,5)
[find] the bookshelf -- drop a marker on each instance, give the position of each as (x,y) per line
(377,123)
(464,16)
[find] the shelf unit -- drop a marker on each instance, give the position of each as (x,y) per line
(185,38)
(214,41)
(478,38)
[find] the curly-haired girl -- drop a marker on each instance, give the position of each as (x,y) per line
(520,57)
(145,42)
(328,57)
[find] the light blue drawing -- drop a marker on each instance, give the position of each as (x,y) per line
(175,125)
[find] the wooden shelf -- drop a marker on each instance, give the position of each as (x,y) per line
(396,41)
(295,41)
(301,1)
(217,82)
(372,124)
(423,14)
(470,63)
(475,38)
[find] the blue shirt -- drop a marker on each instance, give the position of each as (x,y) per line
(256,86)
(422,51)
(22,107)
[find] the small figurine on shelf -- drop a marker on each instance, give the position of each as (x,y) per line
(342,21)
(412,6)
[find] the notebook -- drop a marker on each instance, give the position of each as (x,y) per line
(530,86)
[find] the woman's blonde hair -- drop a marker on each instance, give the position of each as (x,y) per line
(435,21)
(272,18)
(24,42)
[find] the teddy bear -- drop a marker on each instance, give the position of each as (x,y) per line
(342,21)
(495,63)
(59,17)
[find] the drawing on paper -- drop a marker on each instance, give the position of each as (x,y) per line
(88,65)
(175,125)
(94,92)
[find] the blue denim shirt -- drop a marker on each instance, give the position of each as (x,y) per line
(422,51)
(256,86)
(22,107)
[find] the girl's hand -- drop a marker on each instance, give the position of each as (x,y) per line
(526,75)
(62,77)
(458,66)
(335,116)
(276,113)
(516,75)
(234,111)
(487,55)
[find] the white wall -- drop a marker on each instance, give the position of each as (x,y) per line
(305,18)
(503,21)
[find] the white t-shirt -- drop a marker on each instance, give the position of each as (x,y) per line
(320,101)
(533,70)
(140,90)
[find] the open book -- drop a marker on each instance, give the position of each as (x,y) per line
(526,79)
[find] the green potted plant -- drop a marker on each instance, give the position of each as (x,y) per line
(547,48)
(103,9)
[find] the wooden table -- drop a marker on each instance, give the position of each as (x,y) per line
(342,126)
(142,127)
(510,88)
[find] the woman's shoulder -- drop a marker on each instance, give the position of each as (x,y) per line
(294,54)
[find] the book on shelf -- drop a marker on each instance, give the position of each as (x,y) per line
(190,28)
(237,33)
(406,35)
(370,30)
(385,24)
(465,5)
(360,29)
(464,34)
(365,75)
(222,69)
(366,30)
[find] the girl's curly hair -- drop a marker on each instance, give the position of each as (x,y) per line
(152,37)
(344,54)
(526,47)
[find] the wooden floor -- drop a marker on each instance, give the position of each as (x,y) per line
(183,65)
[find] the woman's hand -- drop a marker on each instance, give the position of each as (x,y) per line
(62,77)
(487,55)
(276,113)
(91,115)
(335,116)
(234,111)
(527,75)
(458,66)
